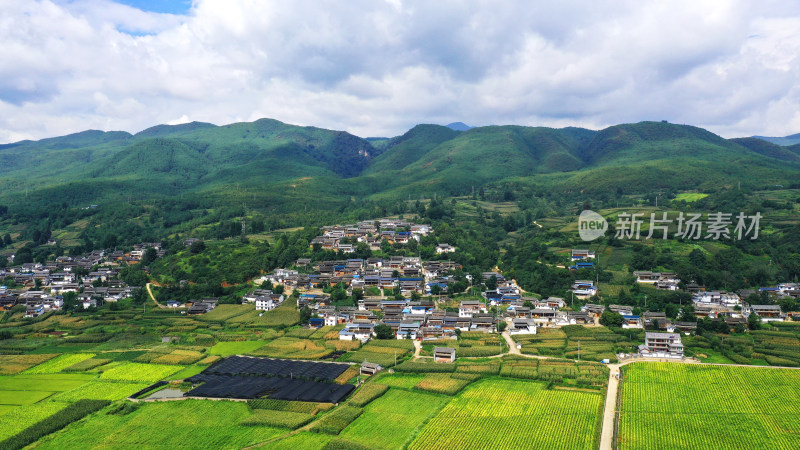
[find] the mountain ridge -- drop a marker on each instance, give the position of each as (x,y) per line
(276,159)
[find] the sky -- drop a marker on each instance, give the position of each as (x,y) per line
(378,67)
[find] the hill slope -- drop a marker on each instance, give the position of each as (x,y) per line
(297,166)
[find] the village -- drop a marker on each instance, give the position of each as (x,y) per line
(407,294)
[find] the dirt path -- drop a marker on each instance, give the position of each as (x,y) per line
(153,297)
(417,349)
(512,346)
(610,409)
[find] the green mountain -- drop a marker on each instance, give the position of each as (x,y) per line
(784,141)
(281,164)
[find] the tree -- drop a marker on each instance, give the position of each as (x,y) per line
(149,256)
(7,239)
(754,322)
(305,314)
(70,301)
(278,289)
(491,283)
(501,326)
(611,319)
(197,247)
(383,331)
(671,310)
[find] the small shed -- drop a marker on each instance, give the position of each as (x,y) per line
(444,354)
(368,368)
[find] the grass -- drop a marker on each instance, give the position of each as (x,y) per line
(391,420)
(185,424)
(508,412)
(671,406)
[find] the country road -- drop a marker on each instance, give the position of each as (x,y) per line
(153,297)
(610,410)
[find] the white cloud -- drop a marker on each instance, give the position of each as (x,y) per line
(377,68)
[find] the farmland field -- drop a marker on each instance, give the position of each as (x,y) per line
(49,382)
(235,348)
(139,372)
(390,421)
(183,424)
(22,417)
(672,405)
(102,390)
(503,413)
(60,363)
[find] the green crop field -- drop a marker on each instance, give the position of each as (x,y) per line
(391,420)
(20,418)
(139,372)
(102,390)
(697,406)
(303,440)
(514,414)
(49,382)
(22,397)
(235,348)
(183,424)
(60,363)
(400,380)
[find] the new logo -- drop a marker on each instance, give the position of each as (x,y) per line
(591,225)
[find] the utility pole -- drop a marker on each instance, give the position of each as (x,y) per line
(579,350)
